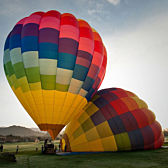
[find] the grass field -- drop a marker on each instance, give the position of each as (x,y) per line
(28,157)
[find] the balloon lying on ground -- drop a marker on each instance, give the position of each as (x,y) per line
(114,120)
(54,63)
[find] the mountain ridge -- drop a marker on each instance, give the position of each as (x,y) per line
(21,131)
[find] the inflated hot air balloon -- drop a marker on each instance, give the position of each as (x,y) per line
(114,120)
(54,63)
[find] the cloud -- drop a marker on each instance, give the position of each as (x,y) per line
(114,2)
(92,11)
(95,7)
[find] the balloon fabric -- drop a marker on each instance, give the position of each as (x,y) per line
(54,64)
(114,120)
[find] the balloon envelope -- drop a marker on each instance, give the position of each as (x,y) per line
(54,63)
(114,120)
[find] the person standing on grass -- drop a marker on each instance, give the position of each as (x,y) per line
(59,147)
(42,149)
(65,149)
(55,148)
(17,149)
(1,148)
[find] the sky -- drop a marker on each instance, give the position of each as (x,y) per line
(135,33)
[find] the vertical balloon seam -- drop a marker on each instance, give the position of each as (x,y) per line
(56,70)
(56,115)
(78,52)
(41,90)
(45,111)
(47,125)
(122,142)
(85,51)
(6,49)
(100,76)
(90,70)
(53,96)
(77,94)
(15,72)
(25,73)
(104,60)
(90,67)
(87,72)
(103,73)
(44,108)
(36,112)
(60,111)
(65,97)
(97,73)
(125,132)
(43,105)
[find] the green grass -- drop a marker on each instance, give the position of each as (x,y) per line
(28,157)
(25,146)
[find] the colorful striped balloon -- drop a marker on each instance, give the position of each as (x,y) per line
(54,63)
(114,120)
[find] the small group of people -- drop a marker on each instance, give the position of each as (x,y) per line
(43,148)
(50,145)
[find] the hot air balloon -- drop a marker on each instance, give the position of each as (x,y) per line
(114,120)
(54,63)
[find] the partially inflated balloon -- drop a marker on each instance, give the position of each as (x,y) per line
(113,120)
(54,63)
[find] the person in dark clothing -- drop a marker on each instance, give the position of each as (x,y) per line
(59,147)
(65,149)
(42,149)
(17,149)
(1,148)
(45,143)
(55,149)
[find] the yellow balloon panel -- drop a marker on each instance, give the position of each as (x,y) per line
(58,110)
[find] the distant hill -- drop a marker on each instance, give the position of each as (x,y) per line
(20,131)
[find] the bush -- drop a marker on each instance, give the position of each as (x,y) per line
(8,157)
